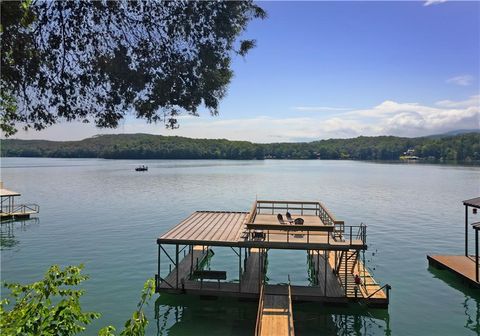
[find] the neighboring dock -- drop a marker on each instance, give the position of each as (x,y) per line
(466,266)
(10,209)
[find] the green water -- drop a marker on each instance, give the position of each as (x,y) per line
(106,215)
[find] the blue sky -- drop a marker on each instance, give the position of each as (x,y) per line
(341,69)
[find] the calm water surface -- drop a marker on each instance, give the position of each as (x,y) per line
(104,214)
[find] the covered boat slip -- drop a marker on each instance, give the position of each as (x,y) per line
(188,246)
(466,267)
(9,209)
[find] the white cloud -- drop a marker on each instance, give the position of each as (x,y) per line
(320,108)
(433,2)
(463,80)
(387,118)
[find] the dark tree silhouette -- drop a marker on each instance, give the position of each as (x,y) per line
(99,60)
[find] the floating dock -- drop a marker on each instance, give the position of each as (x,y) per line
(10,210)
(466,267)
(334,252)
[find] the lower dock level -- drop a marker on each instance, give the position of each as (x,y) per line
(462,266)
(333,278)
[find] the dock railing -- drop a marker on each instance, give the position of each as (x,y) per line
(261,301)
(303,207)
(351,234)
(20,209)
(291,330)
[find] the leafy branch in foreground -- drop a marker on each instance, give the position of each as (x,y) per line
(51,306)
(136,325)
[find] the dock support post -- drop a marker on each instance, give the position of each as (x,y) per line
(240,269)
(176,265)
(476,255)
(466,230)
(326,262)
(346,267)
(191,260)
(158,269)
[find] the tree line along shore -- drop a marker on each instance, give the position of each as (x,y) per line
(459,148)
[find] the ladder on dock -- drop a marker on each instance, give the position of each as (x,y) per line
(275,314)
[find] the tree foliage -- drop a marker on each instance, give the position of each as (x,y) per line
(51,306)
(98,60)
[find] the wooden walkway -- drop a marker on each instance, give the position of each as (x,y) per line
(275,314)
(462,266)
(251,278)
(185,267)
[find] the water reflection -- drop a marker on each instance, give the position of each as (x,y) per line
(186,315)
(471,302)
(8,228)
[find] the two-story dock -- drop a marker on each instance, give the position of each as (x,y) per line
(334,251)
(10,209)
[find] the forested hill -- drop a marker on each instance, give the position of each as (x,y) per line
(463,147)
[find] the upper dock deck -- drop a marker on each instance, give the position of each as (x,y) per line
(261,228)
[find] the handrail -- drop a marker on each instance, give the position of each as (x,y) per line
(20,208)
(291,330)
(387,286)
(258,324)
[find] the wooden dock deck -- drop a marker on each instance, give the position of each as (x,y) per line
(462,266)
(185,268)
(275,314)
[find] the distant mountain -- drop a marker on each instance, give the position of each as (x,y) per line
(453,133)
(463,147)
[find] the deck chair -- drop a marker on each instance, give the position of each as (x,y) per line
(299,221)
(280,219)
(289,217)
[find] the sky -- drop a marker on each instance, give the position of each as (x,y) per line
(339,70)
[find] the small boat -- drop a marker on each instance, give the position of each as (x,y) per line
(141,168)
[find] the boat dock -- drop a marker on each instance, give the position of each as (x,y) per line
(334,252)
(466,266)
(10,210)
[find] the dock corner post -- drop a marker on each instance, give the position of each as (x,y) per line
(466,230)
(326,261)
(346,268)
(240,270)
(157,278)
(476,255)
(176,265)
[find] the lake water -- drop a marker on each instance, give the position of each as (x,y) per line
(104,214)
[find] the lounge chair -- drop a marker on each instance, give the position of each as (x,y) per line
(280,219)
(289,217)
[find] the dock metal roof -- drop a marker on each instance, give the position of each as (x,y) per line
(220,227)
(473,202)
(5,193)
